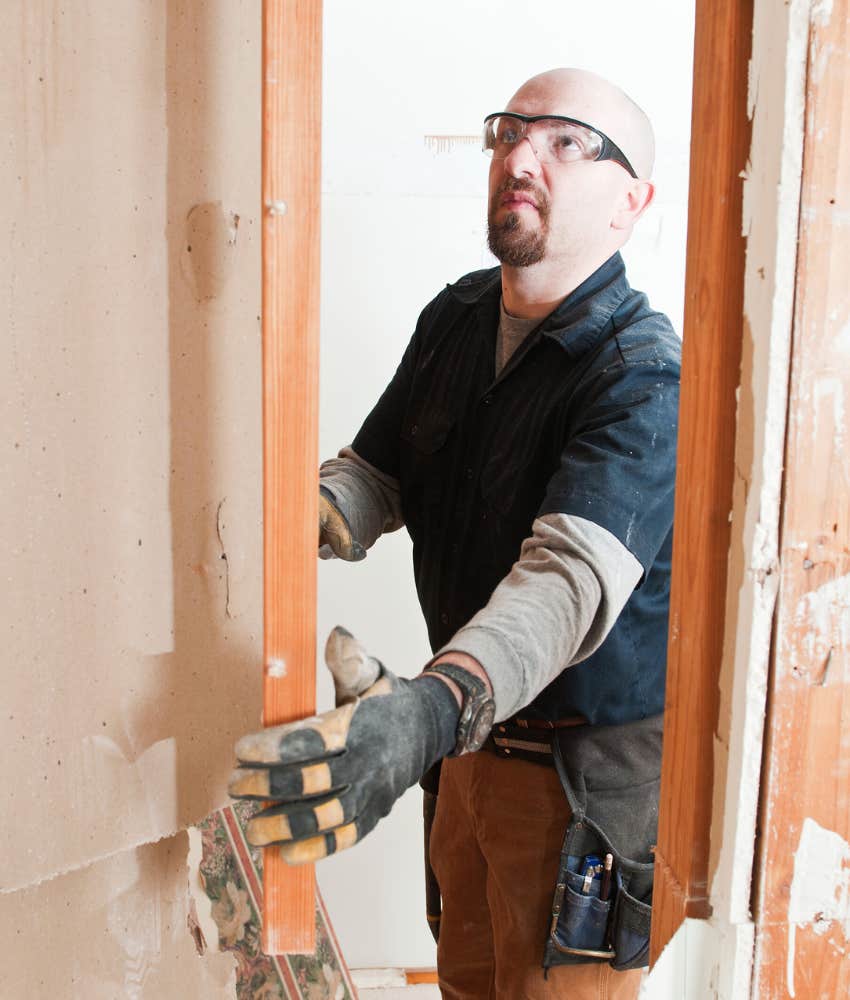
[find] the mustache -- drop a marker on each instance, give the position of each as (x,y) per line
(521,184)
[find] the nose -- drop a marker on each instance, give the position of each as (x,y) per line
(522,160)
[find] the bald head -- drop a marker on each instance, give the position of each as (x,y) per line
(578,93)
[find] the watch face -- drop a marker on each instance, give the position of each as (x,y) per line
(481,724)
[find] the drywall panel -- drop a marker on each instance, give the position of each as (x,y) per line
(770,221)
(130,507)
(117,928)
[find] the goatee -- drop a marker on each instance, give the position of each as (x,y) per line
(509,240)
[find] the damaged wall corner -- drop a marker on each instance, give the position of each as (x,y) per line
(114,928)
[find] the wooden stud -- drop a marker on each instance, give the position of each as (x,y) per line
(806,772)
(713,334)
(291,189)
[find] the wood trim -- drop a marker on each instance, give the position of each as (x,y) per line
(416,977)
(291,191)
(713,333)
(805,788)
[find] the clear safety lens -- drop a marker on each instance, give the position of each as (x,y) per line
(553,141)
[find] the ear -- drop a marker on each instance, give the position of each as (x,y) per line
(636,199)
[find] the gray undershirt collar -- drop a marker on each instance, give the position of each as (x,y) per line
(512,332)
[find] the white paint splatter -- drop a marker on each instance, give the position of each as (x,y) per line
(821,12)
(276,667)
(840,339)
(822,617)
(819,60)
(820,888)
(832,422)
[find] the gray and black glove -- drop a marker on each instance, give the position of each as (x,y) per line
(335,531)
(333,776)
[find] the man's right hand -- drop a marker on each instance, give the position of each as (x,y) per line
(328,779)
(335,531)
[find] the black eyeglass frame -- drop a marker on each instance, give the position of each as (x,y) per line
(609,151)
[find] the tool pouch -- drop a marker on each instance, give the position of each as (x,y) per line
(611,777)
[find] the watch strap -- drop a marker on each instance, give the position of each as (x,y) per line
(477,708)
(470,685)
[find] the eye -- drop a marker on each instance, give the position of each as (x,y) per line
(568,142)
(508,134)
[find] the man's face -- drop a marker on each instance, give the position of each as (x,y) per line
(548,211)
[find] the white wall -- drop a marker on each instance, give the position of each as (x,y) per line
(400,220)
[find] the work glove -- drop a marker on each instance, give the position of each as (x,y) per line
(335,531)
(333,776)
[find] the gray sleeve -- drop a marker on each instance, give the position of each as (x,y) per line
(369,499)
(552,610)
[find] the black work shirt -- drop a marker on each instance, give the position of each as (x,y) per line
(581,421)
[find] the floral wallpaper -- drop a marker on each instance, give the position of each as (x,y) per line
(231,873)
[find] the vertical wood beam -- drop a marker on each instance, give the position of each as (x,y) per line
(802,901)
(713,334)
(291,190)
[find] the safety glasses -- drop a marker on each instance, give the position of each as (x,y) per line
(554,139)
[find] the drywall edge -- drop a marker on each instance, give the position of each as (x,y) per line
(770,223)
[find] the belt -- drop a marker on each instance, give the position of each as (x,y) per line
(528,739)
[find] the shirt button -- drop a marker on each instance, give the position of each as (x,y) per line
(414,430)
(484,515)
(469,473)
(444,618)
(487,400)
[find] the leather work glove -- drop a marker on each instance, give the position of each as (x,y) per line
(333,776)
(335,531)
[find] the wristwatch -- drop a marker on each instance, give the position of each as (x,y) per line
(478,709)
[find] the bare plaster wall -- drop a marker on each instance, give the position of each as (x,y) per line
(113,929)
(130,504)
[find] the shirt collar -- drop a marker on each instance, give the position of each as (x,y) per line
(579,321)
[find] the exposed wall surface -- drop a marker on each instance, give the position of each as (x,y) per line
(114,929)
(130,508)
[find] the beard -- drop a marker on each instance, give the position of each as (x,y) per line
(509,240)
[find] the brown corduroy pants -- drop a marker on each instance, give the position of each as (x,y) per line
(495,847)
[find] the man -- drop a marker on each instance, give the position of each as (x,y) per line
(527,441)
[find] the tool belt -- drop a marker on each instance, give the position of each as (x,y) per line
(519,737)
(611,776)
(529,739)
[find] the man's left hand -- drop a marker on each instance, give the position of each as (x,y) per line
(333,776)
